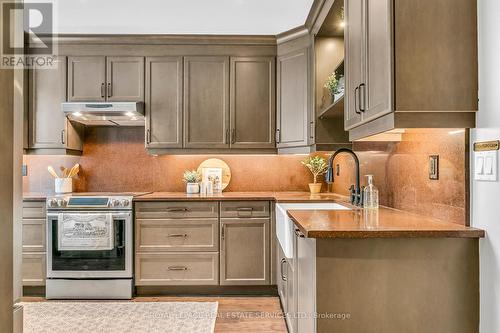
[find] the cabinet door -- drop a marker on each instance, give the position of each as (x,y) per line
(281,275)
(252,98)
(354,50)
(47,122)
(377,90)
(291,298)
(305,260)
(125,79)
(293,88)
(86,79)
(206,102)
(164,102)
(244,256)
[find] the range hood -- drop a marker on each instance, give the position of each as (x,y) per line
(105,113)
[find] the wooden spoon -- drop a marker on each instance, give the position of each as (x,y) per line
(52,171)
(74,170)
(64,171)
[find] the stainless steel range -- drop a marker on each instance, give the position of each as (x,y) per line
(89,247)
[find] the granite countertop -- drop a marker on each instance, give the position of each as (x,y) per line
(274,196)
(386,223)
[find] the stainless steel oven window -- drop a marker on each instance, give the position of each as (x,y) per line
(92,264)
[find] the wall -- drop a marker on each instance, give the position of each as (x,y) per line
(400,172)
(114,159)
(484,195)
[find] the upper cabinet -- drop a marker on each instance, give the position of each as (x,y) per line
(49,129)
(86,79)
(125,79)
(206,102)
(252,102)
(410,64)
(99,78)
(294,119)
(164,102)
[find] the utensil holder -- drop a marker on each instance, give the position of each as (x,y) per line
(63,185)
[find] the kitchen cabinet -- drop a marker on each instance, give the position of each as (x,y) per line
(86,79)
(33,244)
(294,121)
(176,243)
(245,258)
(125,79)
(164,102)
(287,288)
(100,78)
(406,64)
(252,101)
(206,102)
(49,128)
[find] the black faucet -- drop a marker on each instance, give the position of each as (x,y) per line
(356,191)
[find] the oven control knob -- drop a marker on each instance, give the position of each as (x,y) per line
(52,202)
(115,203)
(61,203)
(124,203)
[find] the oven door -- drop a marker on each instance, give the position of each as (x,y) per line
(77,264)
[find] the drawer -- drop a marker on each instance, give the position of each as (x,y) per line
(177,235)
(176,209)
(34,209)
(169,269)
(33,235)
(245,209)
(34,269)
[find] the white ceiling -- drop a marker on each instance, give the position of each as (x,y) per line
(259,17)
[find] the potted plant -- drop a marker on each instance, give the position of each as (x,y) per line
(318,166)
(192,178)
(334,86)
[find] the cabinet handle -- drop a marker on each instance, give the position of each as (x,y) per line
(362,85)
(223,236)
(311,124)
(177,209)
(299,234)
(177,235)
(233,135)
(148,136)
(227,136)
(278,135)
(283,277)
(63,132)
(356,100)
(177,268)
(109,90)
(102,90)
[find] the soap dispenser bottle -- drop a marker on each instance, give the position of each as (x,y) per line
(370,194)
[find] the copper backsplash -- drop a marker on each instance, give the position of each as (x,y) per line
(114,159)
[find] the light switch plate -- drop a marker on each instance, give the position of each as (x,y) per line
(486,165)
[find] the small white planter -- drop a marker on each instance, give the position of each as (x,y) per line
(63,185)
(192,188)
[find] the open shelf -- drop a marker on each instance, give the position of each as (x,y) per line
(333,109)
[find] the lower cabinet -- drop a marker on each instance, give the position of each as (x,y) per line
(287,288)
(33,244)
(202,243)
(244,256)
(177,269)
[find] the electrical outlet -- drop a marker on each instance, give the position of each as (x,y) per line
(434,167)
(24,170)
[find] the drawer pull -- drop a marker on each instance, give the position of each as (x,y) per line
(177,209)
(177,268)
(177,235)
(244,211)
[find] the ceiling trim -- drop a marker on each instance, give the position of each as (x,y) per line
(157,39)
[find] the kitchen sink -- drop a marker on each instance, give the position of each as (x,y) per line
(285,227)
